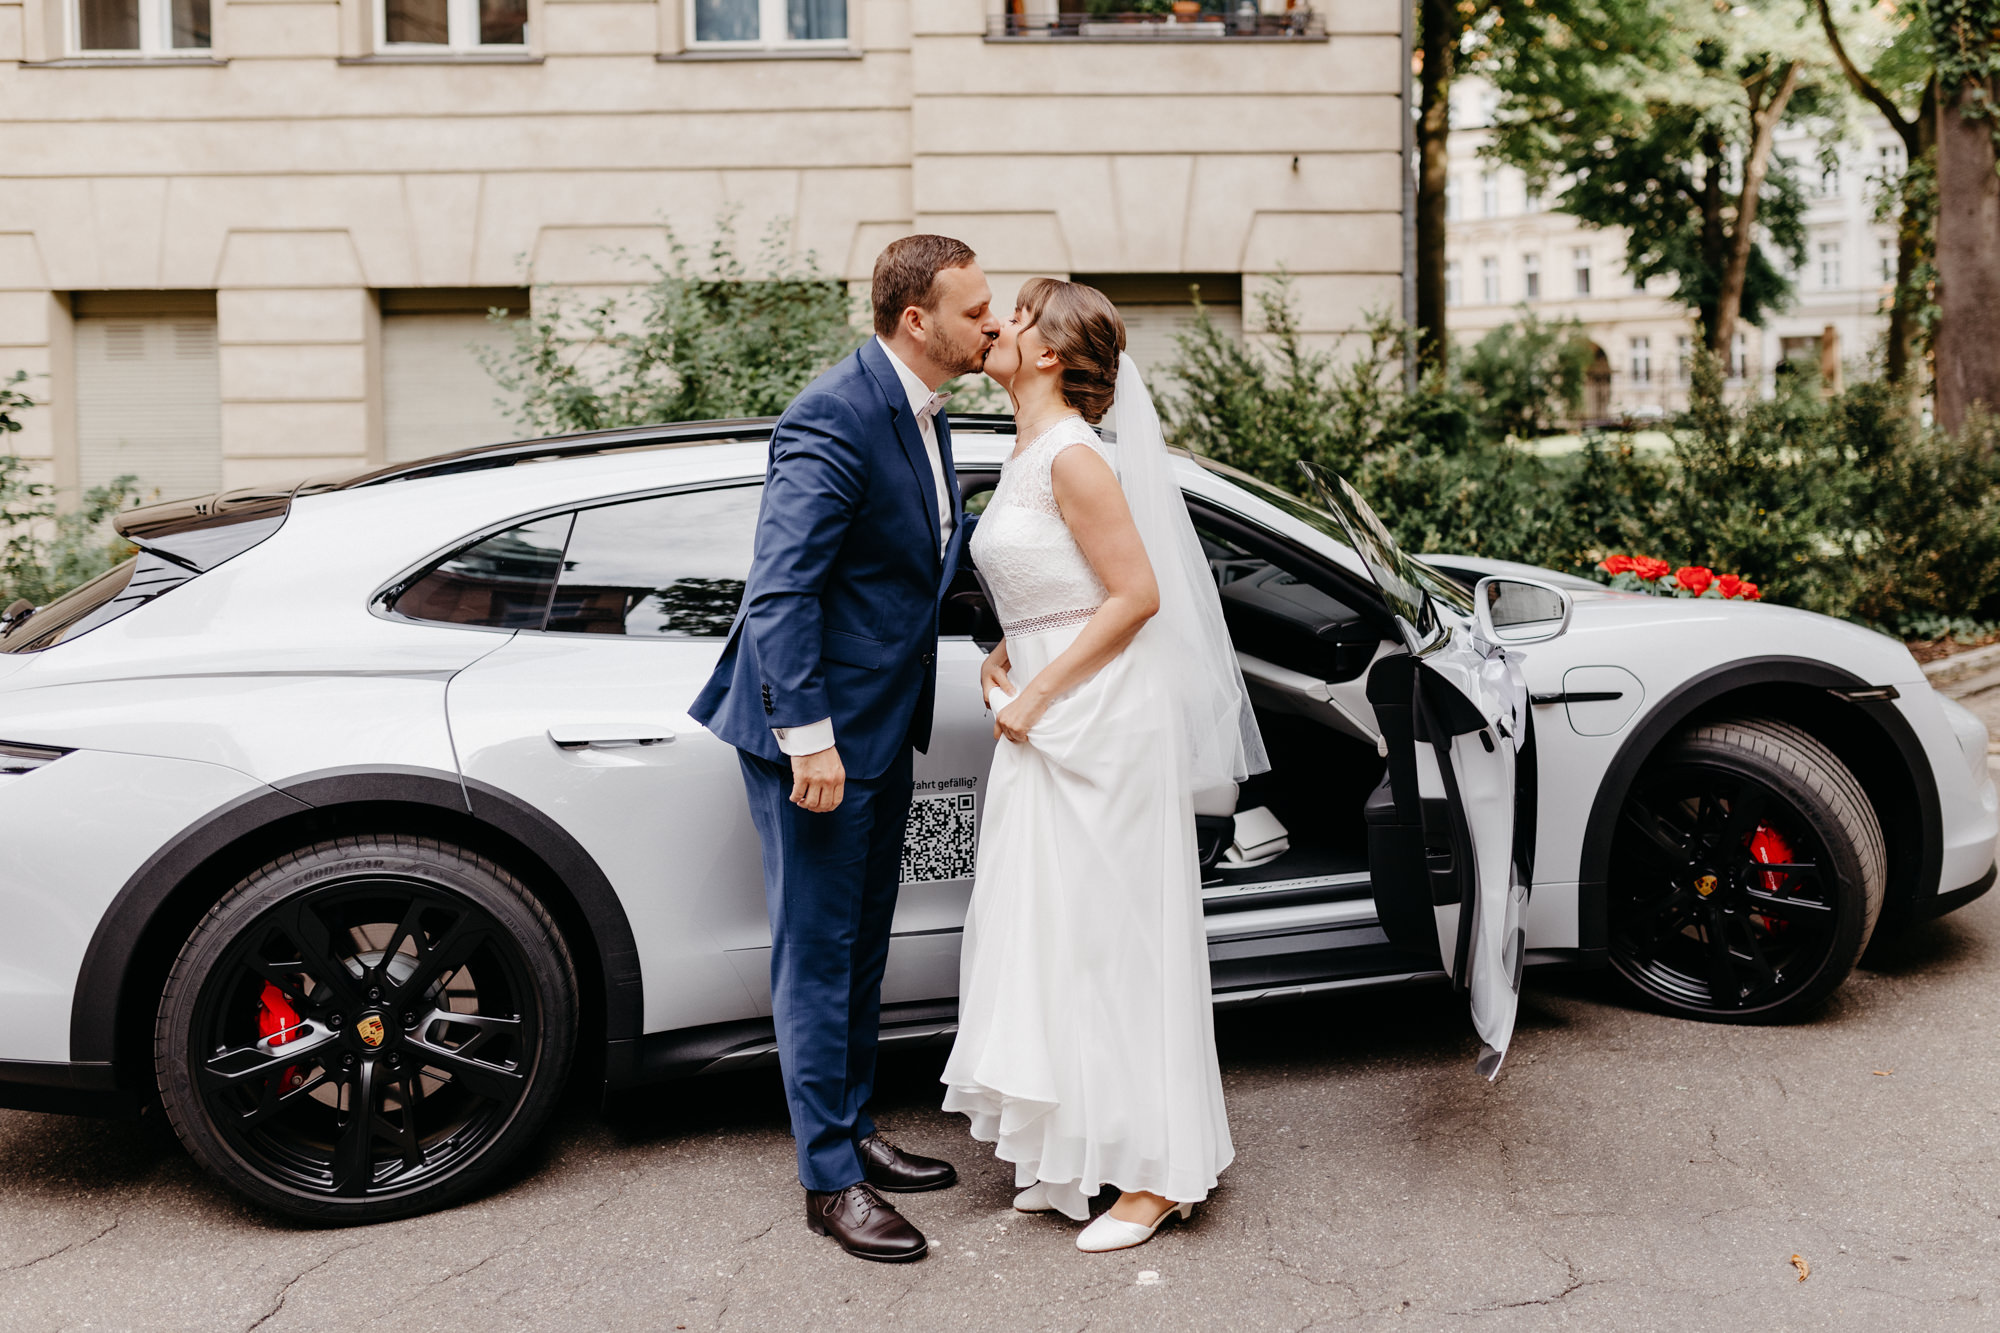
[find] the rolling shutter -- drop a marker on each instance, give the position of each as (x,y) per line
(1150,330)
(148,403)
(436,397)
(1157,306)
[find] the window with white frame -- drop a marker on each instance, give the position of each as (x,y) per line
(1451,206)
(1642,360)
(1489,280)
(1739,357)
(138,27)
(1532,200)
(1885,248)
(1580,261)
(1829,263)
(1454,292)
(458,25)
(1489,194)
(1684,358)
(1531,277)
(768,22)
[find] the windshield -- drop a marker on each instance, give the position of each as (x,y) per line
(1434,581)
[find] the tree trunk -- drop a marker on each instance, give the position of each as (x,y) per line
(1968,261)
(1438,34)
(1764,124)
(1714,241)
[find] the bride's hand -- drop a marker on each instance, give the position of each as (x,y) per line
(993,676)
(1018,718)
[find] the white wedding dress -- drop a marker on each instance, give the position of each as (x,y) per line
(1086,1042)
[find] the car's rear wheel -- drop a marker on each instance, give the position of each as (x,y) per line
(1747,874)
(367,1028)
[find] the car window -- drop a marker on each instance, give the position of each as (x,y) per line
(667,567)
(502,582)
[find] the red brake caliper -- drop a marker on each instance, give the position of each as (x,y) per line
(278,1023)
(1768,847)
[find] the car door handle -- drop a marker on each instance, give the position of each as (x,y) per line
(609,735)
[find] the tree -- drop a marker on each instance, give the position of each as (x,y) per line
(1902,74)
(698,343)
(1451,35)
(1440,30)
(1524,378)
(1966,34)
(1659,117)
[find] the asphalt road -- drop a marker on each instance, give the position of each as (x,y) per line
(1627,1171)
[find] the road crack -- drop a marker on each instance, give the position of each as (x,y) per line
(294,1280)
(73,1245)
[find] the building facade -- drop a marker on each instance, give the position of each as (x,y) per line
(248,240)
(1506,251)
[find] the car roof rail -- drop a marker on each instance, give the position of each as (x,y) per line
(580,444)
(191,531)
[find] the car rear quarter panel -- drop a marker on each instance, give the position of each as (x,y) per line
(71,835)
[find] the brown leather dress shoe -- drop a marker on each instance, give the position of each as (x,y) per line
(865,1224)
(890,1168)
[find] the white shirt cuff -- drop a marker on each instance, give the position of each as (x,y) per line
(809,739)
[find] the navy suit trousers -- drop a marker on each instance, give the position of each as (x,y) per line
(830,883)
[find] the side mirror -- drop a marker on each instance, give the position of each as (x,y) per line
(1515,611)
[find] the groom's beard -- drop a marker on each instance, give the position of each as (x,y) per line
(973,359)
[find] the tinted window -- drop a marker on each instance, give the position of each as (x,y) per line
(105,598)
(671,567)
(503,582)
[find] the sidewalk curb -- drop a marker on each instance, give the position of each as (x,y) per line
(1959,667)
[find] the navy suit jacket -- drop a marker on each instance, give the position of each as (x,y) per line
(839,618)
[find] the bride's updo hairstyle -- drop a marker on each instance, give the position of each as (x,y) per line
(1083,329)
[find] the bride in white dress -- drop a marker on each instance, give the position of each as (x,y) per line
(1086,1043)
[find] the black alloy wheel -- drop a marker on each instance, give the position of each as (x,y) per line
(1747,874)
(366,1029)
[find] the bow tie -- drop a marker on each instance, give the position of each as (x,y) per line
(930,409)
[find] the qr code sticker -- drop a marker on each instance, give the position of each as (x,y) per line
(939,842)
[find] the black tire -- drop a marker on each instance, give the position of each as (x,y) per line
(1700,923)
(400,972)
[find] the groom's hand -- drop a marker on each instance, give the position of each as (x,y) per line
(818,780)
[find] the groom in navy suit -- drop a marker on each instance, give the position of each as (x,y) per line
(826,687)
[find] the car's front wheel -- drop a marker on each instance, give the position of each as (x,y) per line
(1747,874)
(366,1028)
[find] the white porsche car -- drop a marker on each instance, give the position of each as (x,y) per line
(346,823)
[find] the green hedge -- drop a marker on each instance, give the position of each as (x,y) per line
(1844,504)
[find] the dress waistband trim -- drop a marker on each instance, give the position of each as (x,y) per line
(1042,624)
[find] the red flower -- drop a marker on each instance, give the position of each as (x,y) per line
(1730,585)
(1616,564)
(1751,594)
(1695,578)
(1646,567)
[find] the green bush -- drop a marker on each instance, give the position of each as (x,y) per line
(699,342)
(45,552)
(1839,504)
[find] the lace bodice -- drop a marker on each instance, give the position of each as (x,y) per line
(1036,573)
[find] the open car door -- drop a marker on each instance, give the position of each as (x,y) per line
(1465,744)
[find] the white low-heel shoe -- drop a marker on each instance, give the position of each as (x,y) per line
(1034,1199)
(1110,1233)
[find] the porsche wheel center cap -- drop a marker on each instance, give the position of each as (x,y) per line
(371,1030)
(1704,886)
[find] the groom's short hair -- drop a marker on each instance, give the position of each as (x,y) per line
(906,274)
